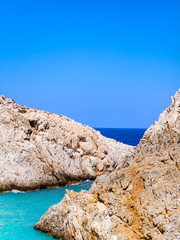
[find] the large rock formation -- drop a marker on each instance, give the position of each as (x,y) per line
(139,201)
(39,149)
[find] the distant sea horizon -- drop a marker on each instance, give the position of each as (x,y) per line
(130,136)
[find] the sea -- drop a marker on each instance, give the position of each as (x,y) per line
(19,211)
(130,136)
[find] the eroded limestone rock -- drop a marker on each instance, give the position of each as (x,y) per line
(39,149)
(139,201)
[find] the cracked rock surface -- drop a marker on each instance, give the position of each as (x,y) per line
(39,149)
(139,201)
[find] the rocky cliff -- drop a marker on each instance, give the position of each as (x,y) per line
(39,149)
(139,201)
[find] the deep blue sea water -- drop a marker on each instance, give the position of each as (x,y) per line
(129,136)
(20,211)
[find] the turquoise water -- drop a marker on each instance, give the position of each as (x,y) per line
(19,211)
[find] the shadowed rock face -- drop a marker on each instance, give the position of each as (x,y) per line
(39,149)
(141,201)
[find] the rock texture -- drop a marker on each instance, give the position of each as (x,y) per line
(139,201)
(39,149)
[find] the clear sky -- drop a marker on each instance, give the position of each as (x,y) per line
(101,63)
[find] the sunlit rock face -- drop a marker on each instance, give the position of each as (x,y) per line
(39,149)
(139,201)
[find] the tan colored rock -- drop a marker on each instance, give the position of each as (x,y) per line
(139,201)
(39,149)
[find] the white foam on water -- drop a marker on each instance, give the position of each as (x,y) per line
(74,184)
(15,191)
(79,182)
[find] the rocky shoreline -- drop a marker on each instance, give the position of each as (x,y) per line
(39,149)
(140,199)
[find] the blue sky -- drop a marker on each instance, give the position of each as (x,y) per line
(101,63)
